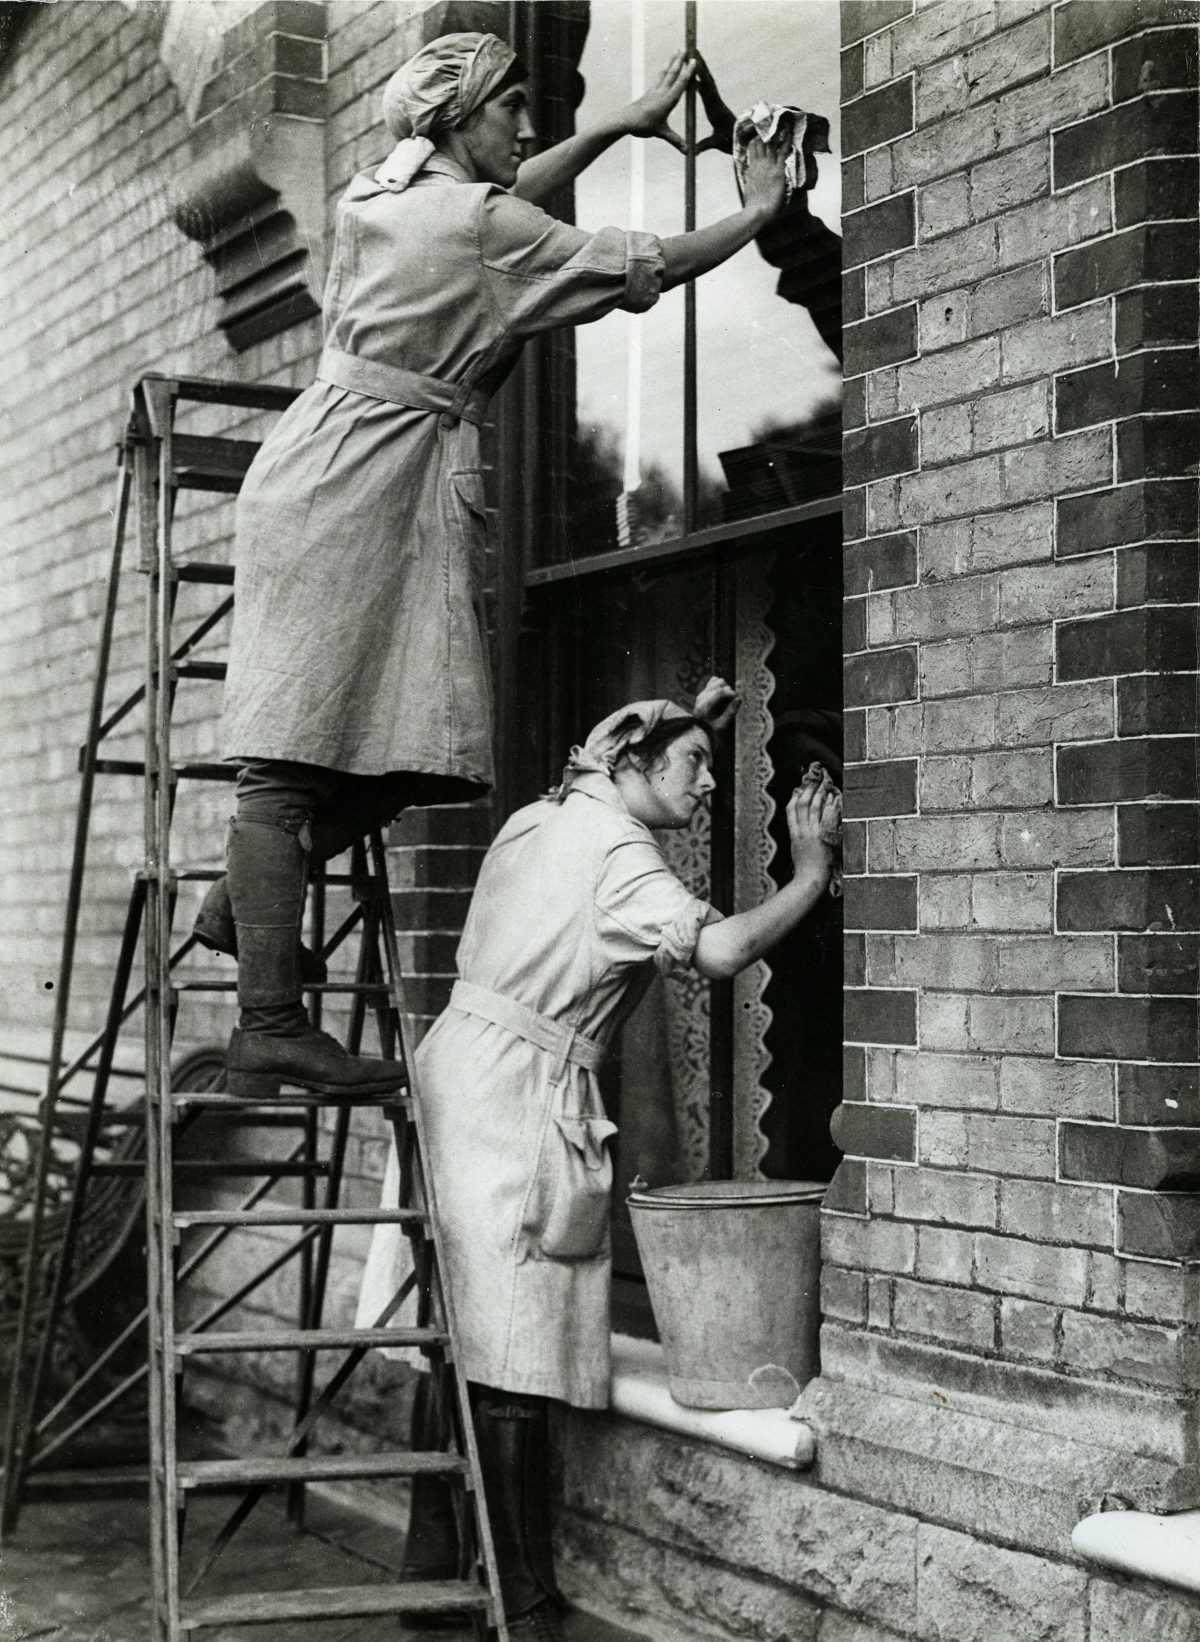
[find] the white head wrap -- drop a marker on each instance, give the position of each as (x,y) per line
(630,725)
(434,91)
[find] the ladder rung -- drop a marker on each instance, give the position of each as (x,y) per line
(318,1468)
(336,1602)
(211,390)
(200,669)
(306,1339)
(205,463)
(214,984)
(216,1166)
(299,1217)
(212,575)
(112,1479)
(186,772)
(297,1097)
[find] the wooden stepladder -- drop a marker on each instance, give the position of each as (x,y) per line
(182,1128)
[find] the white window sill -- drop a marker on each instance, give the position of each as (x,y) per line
(1138,1542)
(640,1392)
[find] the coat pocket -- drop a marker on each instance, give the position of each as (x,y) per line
(577,1221)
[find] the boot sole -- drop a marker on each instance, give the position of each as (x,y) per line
(269,1086)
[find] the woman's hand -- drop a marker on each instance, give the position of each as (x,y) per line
(647,117)
(766,178)
(716,703)
(814,818)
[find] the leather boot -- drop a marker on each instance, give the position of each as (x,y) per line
(215,929)
(274,1041)
(511,1431)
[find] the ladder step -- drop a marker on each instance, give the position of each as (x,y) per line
(297,1097)
(213,390)
(305,1339)
(214,1166)
(200,669)
(336,1602)
(205,463)
(114,1480)
(318,1468)
(341,988)
(186,772)
(298,1217)
(212,575)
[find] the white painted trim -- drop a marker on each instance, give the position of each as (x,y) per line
(639,1391)
(1165,1548)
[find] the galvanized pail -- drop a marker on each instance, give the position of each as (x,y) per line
(733,1269)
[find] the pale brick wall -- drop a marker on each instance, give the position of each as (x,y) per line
(99,287)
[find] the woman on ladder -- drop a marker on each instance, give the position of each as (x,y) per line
(574,910)
(358,680)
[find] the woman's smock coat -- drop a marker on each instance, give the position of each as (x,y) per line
(573,907)
(358,635)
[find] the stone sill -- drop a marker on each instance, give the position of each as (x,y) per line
(1166,1548)
(640,1392)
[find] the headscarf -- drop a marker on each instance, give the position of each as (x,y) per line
(630,725)
(436,90)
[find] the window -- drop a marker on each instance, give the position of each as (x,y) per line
(722,403)
(689,523)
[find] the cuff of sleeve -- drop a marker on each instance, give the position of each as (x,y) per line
(677,944)
(644,270)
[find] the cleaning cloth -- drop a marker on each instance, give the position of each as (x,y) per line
(805,135)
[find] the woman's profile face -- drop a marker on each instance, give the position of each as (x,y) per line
(677,783)
(494,134)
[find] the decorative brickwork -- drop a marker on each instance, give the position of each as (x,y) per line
(1021,683)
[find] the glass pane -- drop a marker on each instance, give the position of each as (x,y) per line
(769,384)
(628,467)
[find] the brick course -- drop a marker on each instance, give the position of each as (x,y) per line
(1052,721)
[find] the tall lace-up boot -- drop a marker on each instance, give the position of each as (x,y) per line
(274,1041)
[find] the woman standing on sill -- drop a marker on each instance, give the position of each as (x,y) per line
(574,910)
(358,679)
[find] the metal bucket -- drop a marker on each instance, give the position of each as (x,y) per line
(734,1273)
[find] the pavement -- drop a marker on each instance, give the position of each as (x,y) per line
(79,1571)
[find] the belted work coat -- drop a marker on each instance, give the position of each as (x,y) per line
(574,909)
(358,634)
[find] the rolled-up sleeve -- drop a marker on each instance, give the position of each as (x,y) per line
(644,912)
(543,274)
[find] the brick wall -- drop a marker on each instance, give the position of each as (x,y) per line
(1022,1117)
(113,196)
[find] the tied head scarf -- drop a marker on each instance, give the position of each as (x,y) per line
(436,90)
(629,726)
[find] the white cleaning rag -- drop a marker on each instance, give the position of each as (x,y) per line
(779,123)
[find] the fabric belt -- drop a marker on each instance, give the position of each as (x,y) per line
(563,1042)
(400,387)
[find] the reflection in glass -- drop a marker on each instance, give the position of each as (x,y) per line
(768,321)
(628,468)
(769,381)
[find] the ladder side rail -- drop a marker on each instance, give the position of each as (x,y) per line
(296,1495)
(471,1448)
(21,1410)
(160,1015)
(307,1363)
(83,1174)
(148,486)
